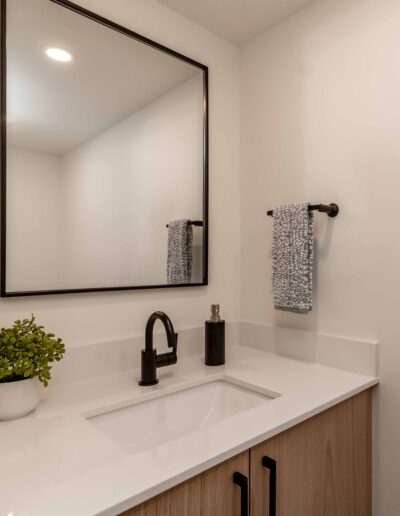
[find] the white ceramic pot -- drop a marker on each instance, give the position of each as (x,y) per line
(19,398)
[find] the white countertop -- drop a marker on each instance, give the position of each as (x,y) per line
(54,462)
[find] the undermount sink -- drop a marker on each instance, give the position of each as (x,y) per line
(147,424)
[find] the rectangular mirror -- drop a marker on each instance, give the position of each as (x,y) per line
(104,156)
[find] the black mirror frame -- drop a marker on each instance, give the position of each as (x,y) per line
(3,148)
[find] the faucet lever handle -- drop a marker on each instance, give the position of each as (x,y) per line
(174,346)
(170,357)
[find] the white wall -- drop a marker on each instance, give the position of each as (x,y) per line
(112,316)
(122,188)
(35,235)
(320,114)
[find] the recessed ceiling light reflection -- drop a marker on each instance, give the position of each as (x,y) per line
(58,54)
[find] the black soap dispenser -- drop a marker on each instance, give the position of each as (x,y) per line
(215,339)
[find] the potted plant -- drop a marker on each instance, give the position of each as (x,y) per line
(26,355)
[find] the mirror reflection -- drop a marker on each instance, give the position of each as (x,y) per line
(105,169)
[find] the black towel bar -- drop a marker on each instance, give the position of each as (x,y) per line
(193,223)
(331,210)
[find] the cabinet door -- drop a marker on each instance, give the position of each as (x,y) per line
(183,499)
(340,482)
(186,498)
(323,466)
(213,493)
(290,452)
(158,506)
(220,495)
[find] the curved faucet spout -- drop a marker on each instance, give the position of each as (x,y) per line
(169,329)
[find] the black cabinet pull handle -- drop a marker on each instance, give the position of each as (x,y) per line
(242,481)
(270,464)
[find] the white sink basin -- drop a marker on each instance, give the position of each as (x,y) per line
(147,424)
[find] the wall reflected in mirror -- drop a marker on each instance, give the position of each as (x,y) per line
(105,148)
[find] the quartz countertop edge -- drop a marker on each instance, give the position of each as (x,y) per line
(56,462)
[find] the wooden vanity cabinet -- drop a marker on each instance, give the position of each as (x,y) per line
(321,467)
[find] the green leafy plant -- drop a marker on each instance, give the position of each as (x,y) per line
(26,351)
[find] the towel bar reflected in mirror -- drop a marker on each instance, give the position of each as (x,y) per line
(193,223)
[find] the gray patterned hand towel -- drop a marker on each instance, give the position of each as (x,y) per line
(180,252)
(292,258)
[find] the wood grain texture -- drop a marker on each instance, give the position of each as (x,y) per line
(323,464)
(158,506)
(186,498)
(291,454)
(220,496)
(340,459)
(362,407)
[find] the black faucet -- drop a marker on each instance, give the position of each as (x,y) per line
(150,359)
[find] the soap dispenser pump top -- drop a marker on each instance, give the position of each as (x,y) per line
(215,339)
(215,317)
